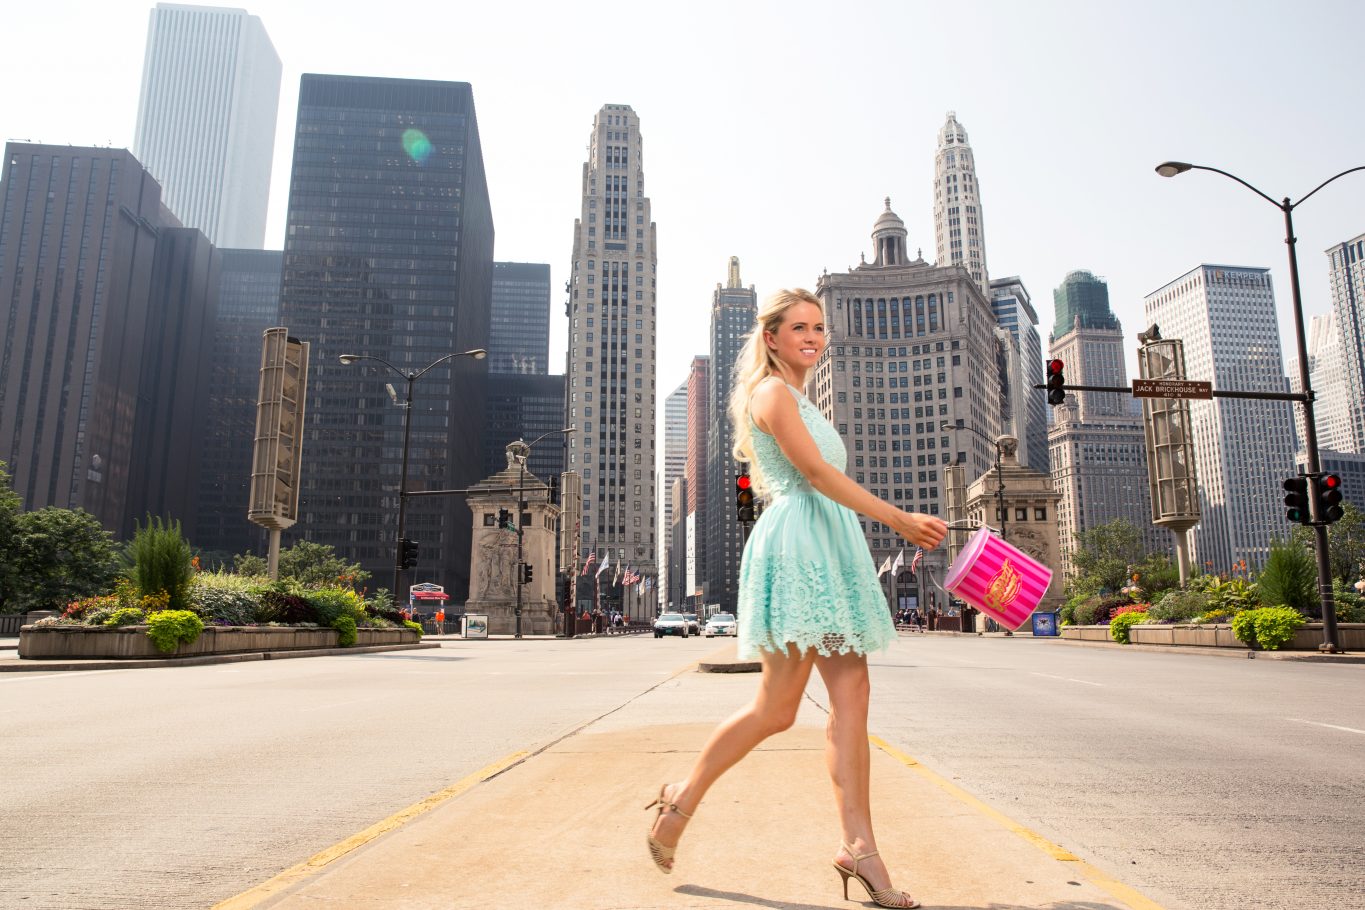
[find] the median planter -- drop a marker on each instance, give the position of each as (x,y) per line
(132,643)
(1350,635)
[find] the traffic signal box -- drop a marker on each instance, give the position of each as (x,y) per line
(1056,382)
(1296,500)
(1329,498)
(1326,488)
(744,498)
(407,554)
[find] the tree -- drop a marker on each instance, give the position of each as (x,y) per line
(314,564)
(61,555)
(1290,578)
(162,561)
(1345,543)
(10,504)
(250,564)
(1104,555)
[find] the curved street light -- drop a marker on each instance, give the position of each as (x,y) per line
(1287,206)
(410,378)
(999,472)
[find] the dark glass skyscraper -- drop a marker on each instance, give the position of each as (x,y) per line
(104,306)
(525,407)
(519,333)
(248,304)
(389,253)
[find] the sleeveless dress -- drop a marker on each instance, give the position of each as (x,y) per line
(807,577)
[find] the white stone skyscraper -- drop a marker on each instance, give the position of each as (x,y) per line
(206,119)
(1347,271)
(1333,401)
(959,230)
(1243,448)
(612,351)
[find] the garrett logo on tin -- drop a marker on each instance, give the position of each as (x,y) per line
(1004,587)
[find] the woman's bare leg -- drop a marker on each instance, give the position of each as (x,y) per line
(772,710)
(848,755)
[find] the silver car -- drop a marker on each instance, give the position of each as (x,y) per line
(720,624)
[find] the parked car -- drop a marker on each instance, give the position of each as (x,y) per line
(672,624)
(693,624)
(720,624)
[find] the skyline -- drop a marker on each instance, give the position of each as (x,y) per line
(1066,126)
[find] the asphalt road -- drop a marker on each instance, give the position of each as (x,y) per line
(1207,782)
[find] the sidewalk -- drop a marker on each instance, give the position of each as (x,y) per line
(562,826)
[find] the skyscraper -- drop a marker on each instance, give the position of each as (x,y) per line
(519,332)
(1014,312)
(1347,272)
(1243,448)
(206,118)
(248,304)
(959,228)
(105,310)
(612,346)
(906,341)
(389,253)
(699,419)
(734,309)
(675,461)
(1098,452)
(1333,401)
(525,406)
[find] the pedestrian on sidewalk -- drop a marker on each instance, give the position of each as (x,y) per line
(809,595)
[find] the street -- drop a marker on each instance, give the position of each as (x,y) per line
(1204,782)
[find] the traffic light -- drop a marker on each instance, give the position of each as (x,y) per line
(407,553)
(505,519)
(554,490)
(527,573)
(1056,382)
(1329,498)
(1296,498)
(744,498)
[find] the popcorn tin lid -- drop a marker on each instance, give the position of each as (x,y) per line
(966,559)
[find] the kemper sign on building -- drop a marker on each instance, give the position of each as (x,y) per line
(278,452)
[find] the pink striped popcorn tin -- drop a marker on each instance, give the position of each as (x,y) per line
(998,579)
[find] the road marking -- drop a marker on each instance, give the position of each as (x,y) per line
(319,861)
(1300,720)
(1102,880)
(1084,682)
(65,674)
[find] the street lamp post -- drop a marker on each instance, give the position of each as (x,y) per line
(410,377)
(523,452)
(1329,617)
(999,473)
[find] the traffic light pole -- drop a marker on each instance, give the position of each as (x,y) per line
(403,491)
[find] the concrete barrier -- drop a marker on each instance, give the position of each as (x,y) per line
(131,642)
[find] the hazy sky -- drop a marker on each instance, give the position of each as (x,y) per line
(772,130)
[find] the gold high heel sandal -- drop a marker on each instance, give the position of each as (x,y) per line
(887,897)
(660,853)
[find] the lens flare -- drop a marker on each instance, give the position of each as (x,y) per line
(417,145)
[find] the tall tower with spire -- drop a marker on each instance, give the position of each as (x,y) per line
(612,357)
(959,229)
(734,309)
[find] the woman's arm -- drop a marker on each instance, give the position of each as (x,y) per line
(775,412)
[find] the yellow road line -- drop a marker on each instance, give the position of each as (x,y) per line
(316,863)
(1102,880)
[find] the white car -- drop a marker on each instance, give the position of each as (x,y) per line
(720,624)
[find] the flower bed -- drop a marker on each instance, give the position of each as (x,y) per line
(73,642)
(1350,635)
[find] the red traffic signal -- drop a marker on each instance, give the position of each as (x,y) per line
(1329,498)
(1056,382)
(744,497)
(743,482)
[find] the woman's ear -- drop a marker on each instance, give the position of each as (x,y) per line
(768,340)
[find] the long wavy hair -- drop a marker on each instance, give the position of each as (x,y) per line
(755,363)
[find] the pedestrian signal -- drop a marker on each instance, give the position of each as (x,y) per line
(1296,500)
(744,498)
(1056,382)
(1329,498)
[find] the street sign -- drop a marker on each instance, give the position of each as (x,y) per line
(1172,388)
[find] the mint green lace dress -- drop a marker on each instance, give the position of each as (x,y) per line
(807,576)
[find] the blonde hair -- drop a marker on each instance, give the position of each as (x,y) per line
(756,362)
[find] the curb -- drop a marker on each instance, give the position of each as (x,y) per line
(1244,653)
(45,666)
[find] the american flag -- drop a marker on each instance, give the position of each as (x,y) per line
(591,557)
(914,563)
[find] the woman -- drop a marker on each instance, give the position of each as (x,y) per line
(809,594)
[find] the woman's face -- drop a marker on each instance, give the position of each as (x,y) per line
(800,338)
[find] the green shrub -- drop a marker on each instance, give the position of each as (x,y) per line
(415,626)
(169,628)
(1217,615)
(1232,594)
(225,598)
(83,609)
(1121,624)
(1289,578)
(1350,605)
(331,603)
(345,626)
(127,616)
(1178,606)
(283,601)
(1270,628)
(1091,611)
(162,561)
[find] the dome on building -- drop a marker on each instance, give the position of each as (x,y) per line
(888,220)
(889,238)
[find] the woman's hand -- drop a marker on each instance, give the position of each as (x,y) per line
(922,530)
